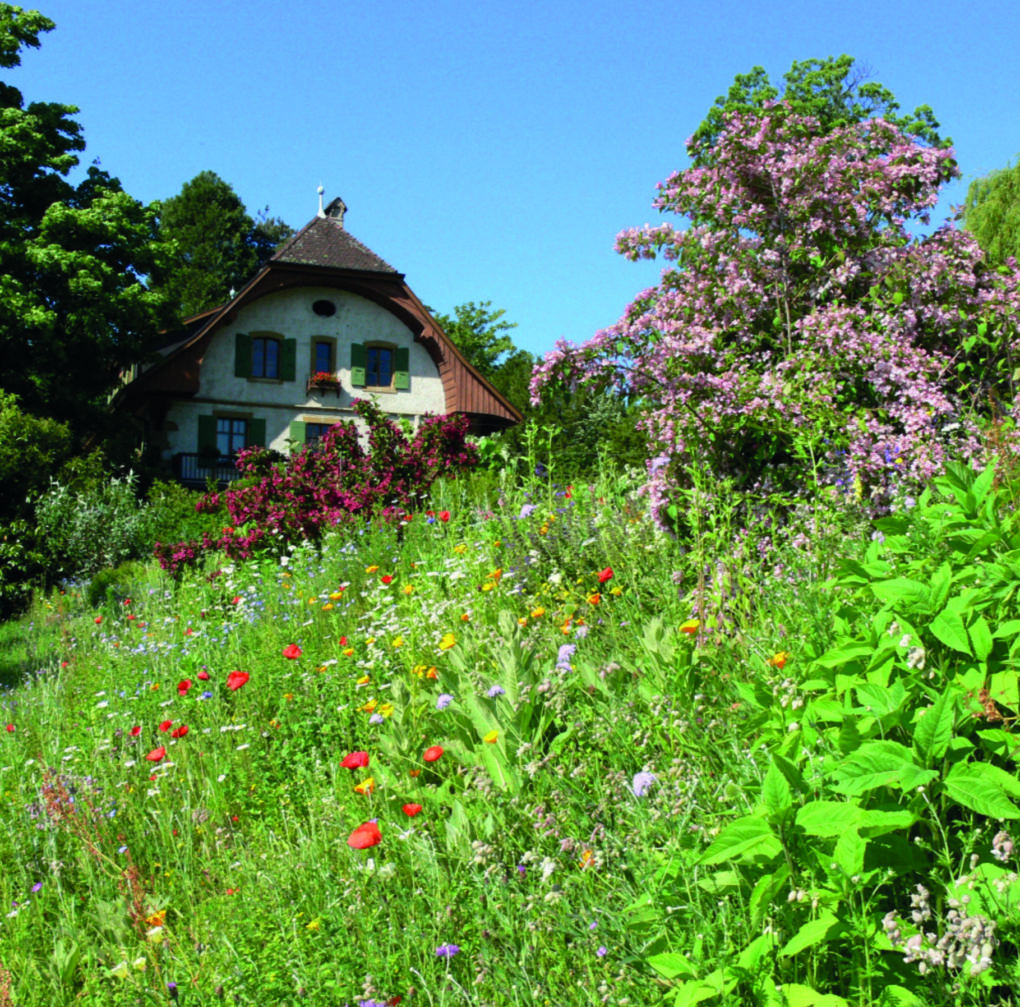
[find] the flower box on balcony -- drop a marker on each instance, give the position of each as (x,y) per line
(323,381)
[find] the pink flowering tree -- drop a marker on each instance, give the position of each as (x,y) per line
(799,330)
(333,483)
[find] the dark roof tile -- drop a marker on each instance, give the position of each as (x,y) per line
(324,242)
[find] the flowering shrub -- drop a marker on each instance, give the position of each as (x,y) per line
(327,484)
(801,321)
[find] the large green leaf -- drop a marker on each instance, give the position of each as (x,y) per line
(979,786)
(903,594)
(949,628)
(981,639)
(796,995)
(672,965)
(934,729)
(776,795)
(745,835)
(816,931)
(880,764)
(827,818)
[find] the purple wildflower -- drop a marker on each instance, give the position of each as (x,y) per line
(447,950)
(641,783)
(443,701)
(496,690)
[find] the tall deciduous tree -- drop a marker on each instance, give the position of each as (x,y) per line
(992,213)
(219,246)
(833,92)
(480,334)
(801,323)
(75,308)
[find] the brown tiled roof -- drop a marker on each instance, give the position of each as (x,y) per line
(324,242)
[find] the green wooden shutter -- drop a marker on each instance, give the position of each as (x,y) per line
(242,355)
(402,369)
(288,361)
(207,436)
(256,433)
(358,364)
(297,434)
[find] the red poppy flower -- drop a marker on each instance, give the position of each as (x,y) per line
(444,515)
(10,728)
(292,652)
(343,641)
(236,679)
(179,732)
(135,731)
(236,600)
(356,760)
(606,574)
(203,676)
(433,753)
(99,619)
(166,725)
(156,754)
(387,579)
(364,836)
(183,686)
(412,809)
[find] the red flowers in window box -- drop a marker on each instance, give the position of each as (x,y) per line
(433,753)
(355,760)
(364,836)
(236,679)
(292,652)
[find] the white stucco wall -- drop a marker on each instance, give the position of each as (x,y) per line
(289,314)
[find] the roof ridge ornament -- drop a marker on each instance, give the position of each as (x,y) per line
(320,190)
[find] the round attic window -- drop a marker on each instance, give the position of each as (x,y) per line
(325,309)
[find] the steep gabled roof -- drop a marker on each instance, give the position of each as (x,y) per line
(324,242)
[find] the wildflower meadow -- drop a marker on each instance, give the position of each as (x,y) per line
(526,747)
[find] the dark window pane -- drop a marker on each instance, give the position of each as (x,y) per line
(323,357)
(380,366)
(265,358)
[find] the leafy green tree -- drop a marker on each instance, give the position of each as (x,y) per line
(219,246)
(992,214)
(480,334)
(833,91)
(75,308)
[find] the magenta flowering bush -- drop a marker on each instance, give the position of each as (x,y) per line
(801,328)
(333,482)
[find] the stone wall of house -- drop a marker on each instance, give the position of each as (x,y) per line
(289,315)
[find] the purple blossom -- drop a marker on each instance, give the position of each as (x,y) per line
(642,783)
(602,951)
(443,701)
(565,654)
(447,950)
(496,690)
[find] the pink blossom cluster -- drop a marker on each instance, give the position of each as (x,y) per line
(334,482)
(799,322)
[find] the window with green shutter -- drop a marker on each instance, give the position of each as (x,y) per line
(402,369)
(265,355)
(358,365)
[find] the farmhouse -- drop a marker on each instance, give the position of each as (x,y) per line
(326,321)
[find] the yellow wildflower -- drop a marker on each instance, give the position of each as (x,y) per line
(336,595)
(408,589)
(386,709)
(328,607)
(366,786)
(537,613)
(690,627)
(370,706)
(371,569)
(398,642)
(447,641)
(490,738)
(522,621)
(313,925)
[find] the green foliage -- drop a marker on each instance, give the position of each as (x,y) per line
(992,213)
(114,585)
(480,334)
(219,247)
(88,530)
(19,29)
(75,258)
(32,450)
(830,90)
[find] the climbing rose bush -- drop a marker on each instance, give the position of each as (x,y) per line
(333,482)
(800,321)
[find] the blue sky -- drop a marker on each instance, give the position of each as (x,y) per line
(489,150)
